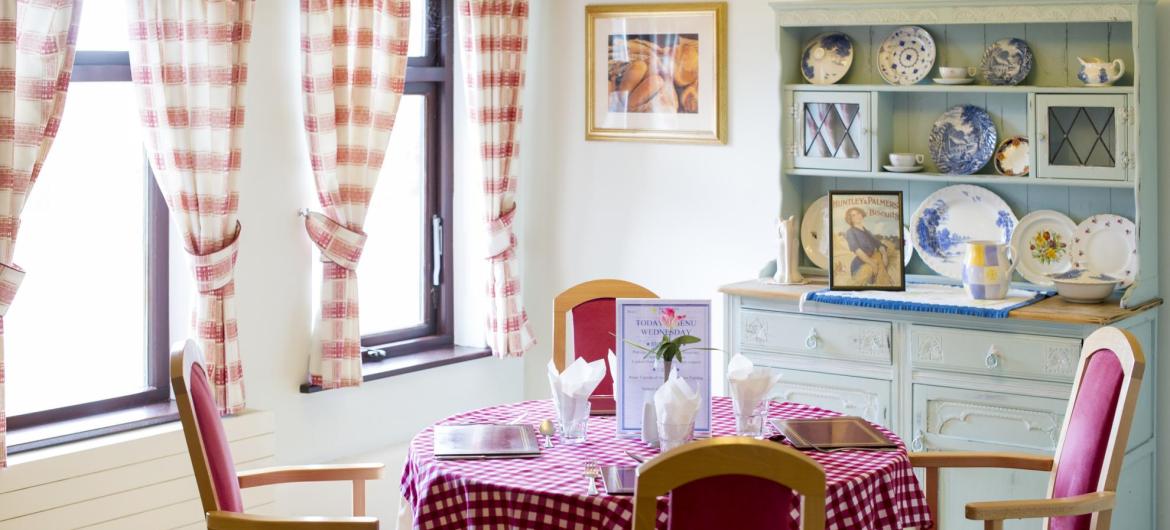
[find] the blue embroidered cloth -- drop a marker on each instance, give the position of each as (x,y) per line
(930,298)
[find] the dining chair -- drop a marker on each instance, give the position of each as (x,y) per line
(215,474)
(594,310)
(730,482)
(1083,482)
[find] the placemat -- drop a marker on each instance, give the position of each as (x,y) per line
(929,298)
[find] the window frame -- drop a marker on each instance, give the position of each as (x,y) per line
(107,66)
(431,76)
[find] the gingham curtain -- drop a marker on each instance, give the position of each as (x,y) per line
(495,42)
(354,72)
(36,58)
(188,61)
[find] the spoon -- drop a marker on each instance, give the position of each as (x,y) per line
(546,428)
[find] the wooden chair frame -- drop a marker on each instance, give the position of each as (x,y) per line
(581,293)
(731,455)
(1099,503)
(183,355)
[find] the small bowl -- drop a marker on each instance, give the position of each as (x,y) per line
(1085,289)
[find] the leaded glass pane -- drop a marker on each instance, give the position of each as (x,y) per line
(1082,136)
(830,130)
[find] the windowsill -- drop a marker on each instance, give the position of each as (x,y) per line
(413,362)
(63,432)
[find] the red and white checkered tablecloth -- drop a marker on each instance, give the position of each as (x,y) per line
(867,490)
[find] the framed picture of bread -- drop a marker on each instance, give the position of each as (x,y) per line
(656,72)
(865,250)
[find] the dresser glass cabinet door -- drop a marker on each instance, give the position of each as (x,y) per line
(833,130)
(1082,136)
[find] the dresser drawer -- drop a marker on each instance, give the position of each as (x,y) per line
(833,338)
(954,419)
(1000,354)
(852,396)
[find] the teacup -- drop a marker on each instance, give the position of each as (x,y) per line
(956,72)
(906,159)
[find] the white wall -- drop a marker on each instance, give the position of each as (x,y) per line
(714,207)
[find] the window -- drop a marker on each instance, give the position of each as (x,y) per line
(405,270)
(93,239)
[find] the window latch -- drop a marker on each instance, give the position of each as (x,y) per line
(437,245)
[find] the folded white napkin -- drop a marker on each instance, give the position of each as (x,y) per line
(571,388)
(748,384)
(675,402)
(613,369)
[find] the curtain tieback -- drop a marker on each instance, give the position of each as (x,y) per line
(337,243)
(501,239)
(10,278)
(216,269)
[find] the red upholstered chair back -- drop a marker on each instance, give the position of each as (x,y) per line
(211,458)
(593,308)
(1096,425)
(731,482)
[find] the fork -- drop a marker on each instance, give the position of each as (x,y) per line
(592,472)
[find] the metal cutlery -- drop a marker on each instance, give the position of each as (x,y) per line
(592,472)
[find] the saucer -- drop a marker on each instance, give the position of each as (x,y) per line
(959,81)
(903,169)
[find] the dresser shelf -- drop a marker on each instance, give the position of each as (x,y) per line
(958,179)
(960,89)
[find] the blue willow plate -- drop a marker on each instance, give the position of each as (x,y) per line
(907,56)
(951,217)
(826,58)
(1007,62)
(963,140)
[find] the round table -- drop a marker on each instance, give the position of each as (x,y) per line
(865,489)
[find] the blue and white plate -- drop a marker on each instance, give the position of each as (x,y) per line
(1007,62)
(963,140)
(907,56)
(826,58)
(953,216)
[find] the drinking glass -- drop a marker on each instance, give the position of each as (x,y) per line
(671,435)
(575,422)
(750,421)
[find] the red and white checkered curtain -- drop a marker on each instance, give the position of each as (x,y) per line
(495,42)
(36,58)
(188,61)
(354,72)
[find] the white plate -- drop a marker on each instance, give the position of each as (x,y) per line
(954,215)
(903,169)
(1107,244)
(907,246)
(959,81)
(906,56)
(1042,244)
(814,232)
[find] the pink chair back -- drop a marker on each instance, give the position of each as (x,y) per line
(207,444)
(594,323)
(731,501)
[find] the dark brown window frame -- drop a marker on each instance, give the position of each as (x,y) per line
(101,66)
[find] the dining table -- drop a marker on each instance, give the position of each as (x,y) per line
(865,489)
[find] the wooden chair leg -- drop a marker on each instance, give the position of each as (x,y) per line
(992,525)
(359,498)
(932,491)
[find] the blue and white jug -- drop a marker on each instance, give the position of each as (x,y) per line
(987,270)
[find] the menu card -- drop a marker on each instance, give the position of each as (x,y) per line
(644,321)
(485,441)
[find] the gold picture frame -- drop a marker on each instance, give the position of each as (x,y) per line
(669,40)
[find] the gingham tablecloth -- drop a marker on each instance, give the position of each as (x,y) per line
(867,490)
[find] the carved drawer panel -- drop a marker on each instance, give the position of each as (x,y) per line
(959,419)
(1002,354)
(834,338)
(854,396)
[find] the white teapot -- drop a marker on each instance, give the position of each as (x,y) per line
(1099,72)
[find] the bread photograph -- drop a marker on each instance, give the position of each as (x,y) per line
(654,73)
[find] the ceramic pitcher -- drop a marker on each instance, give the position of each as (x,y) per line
(987,270)
(1099,72)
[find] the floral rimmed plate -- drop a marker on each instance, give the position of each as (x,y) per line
(962,140)
(906,56)
(1007,62)
(1107,244)
(954,215)
(826,58)
(1014,157)
(1041,243)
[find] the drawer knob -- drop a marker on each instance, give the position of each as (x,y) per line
(992,359)
(812,341)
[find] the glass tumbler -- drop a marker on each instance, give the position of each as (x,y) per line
(575,423)
(751,421)
(671,435)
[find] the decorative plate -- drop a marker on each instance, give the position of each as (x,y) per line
(1007,62)
(907,246)
(963,140)
(1041,243)
(1107,244)
(907,56)
(1014,157)
(826,58)
(954,215)
(814,232)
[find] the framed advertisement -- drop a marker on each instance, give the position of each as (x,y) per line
(866,245)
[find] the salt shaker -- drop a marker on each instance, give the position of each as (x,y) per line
(649,419)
